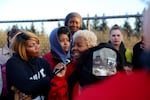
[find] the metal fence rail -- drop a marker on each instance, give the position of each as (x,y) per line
(62,19)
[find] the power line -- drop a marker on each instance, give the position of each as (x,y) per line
(62,19)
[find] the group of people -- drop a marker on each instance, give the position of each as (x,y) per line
(69,68)
(133,86)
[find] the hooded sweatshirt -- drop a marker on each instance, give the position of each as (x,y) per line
(56,48)
(59,85)
(30,77)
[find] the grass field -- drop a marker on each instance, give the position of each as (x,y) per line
(45,46)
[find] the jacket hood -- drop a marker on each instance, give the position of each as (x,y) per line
(56,48)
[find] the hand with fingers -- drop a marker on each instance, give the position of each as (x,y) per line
(20,95)
(60,69)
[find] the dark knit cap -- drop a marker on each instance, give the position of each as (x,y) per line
(71,15)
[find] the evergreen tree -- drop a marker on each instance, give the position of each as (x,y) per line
(84,25)
(138,25)
(15,26)
(42,28)
(95,23)
(22,28)
(127,28)
(59,24)
(32,28)
(103,26)
(88,23)
(26,29)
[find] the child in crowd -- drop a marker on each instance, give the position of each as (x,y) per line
(73,21)
(59,57)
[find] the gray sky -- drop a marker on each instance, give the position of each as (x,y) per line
(49,9)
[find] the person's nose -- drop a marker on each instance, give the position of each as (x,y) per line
(37,46)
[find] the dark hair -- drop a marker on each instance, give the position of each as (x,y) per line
(11,34)
(115,27)
(64,30)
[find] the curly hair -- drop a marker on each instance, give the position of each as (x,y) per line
(89,36)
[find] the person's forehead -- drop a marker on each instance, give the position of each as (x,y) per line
(75,18)
(116,31)
(80,40)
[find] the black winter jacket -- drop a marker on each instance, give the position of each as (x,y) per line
(30,77)
(84,74)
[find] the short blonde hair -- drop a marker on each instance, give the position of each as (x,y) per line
(89,36)
(19,43)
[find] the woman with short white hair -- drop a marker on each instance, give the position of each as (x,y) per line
(83,40)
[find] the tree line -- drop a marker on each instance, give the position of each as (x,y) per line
(97,23)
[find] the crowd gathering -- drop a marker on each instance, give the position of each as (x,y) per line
(76,67)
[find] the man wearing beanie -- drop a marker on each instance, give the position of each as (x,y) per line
(74,21)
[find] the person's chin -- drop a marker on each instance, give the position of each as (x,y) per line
(74,29)
(116,43)
(76,56)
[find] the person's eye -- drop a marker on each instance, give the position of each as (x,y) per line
(31,45)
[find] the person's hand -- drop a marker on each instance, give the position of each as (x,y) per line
(128,69)
(19,95)
(60,66)
(23,96)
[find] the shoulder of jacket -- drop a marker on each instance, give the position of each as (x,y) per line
(104,45)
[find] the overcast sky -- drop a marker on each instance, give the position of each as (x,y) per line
(49,9)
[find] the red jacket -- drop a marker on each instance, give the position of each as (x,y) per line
(135,86)
(59,85)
